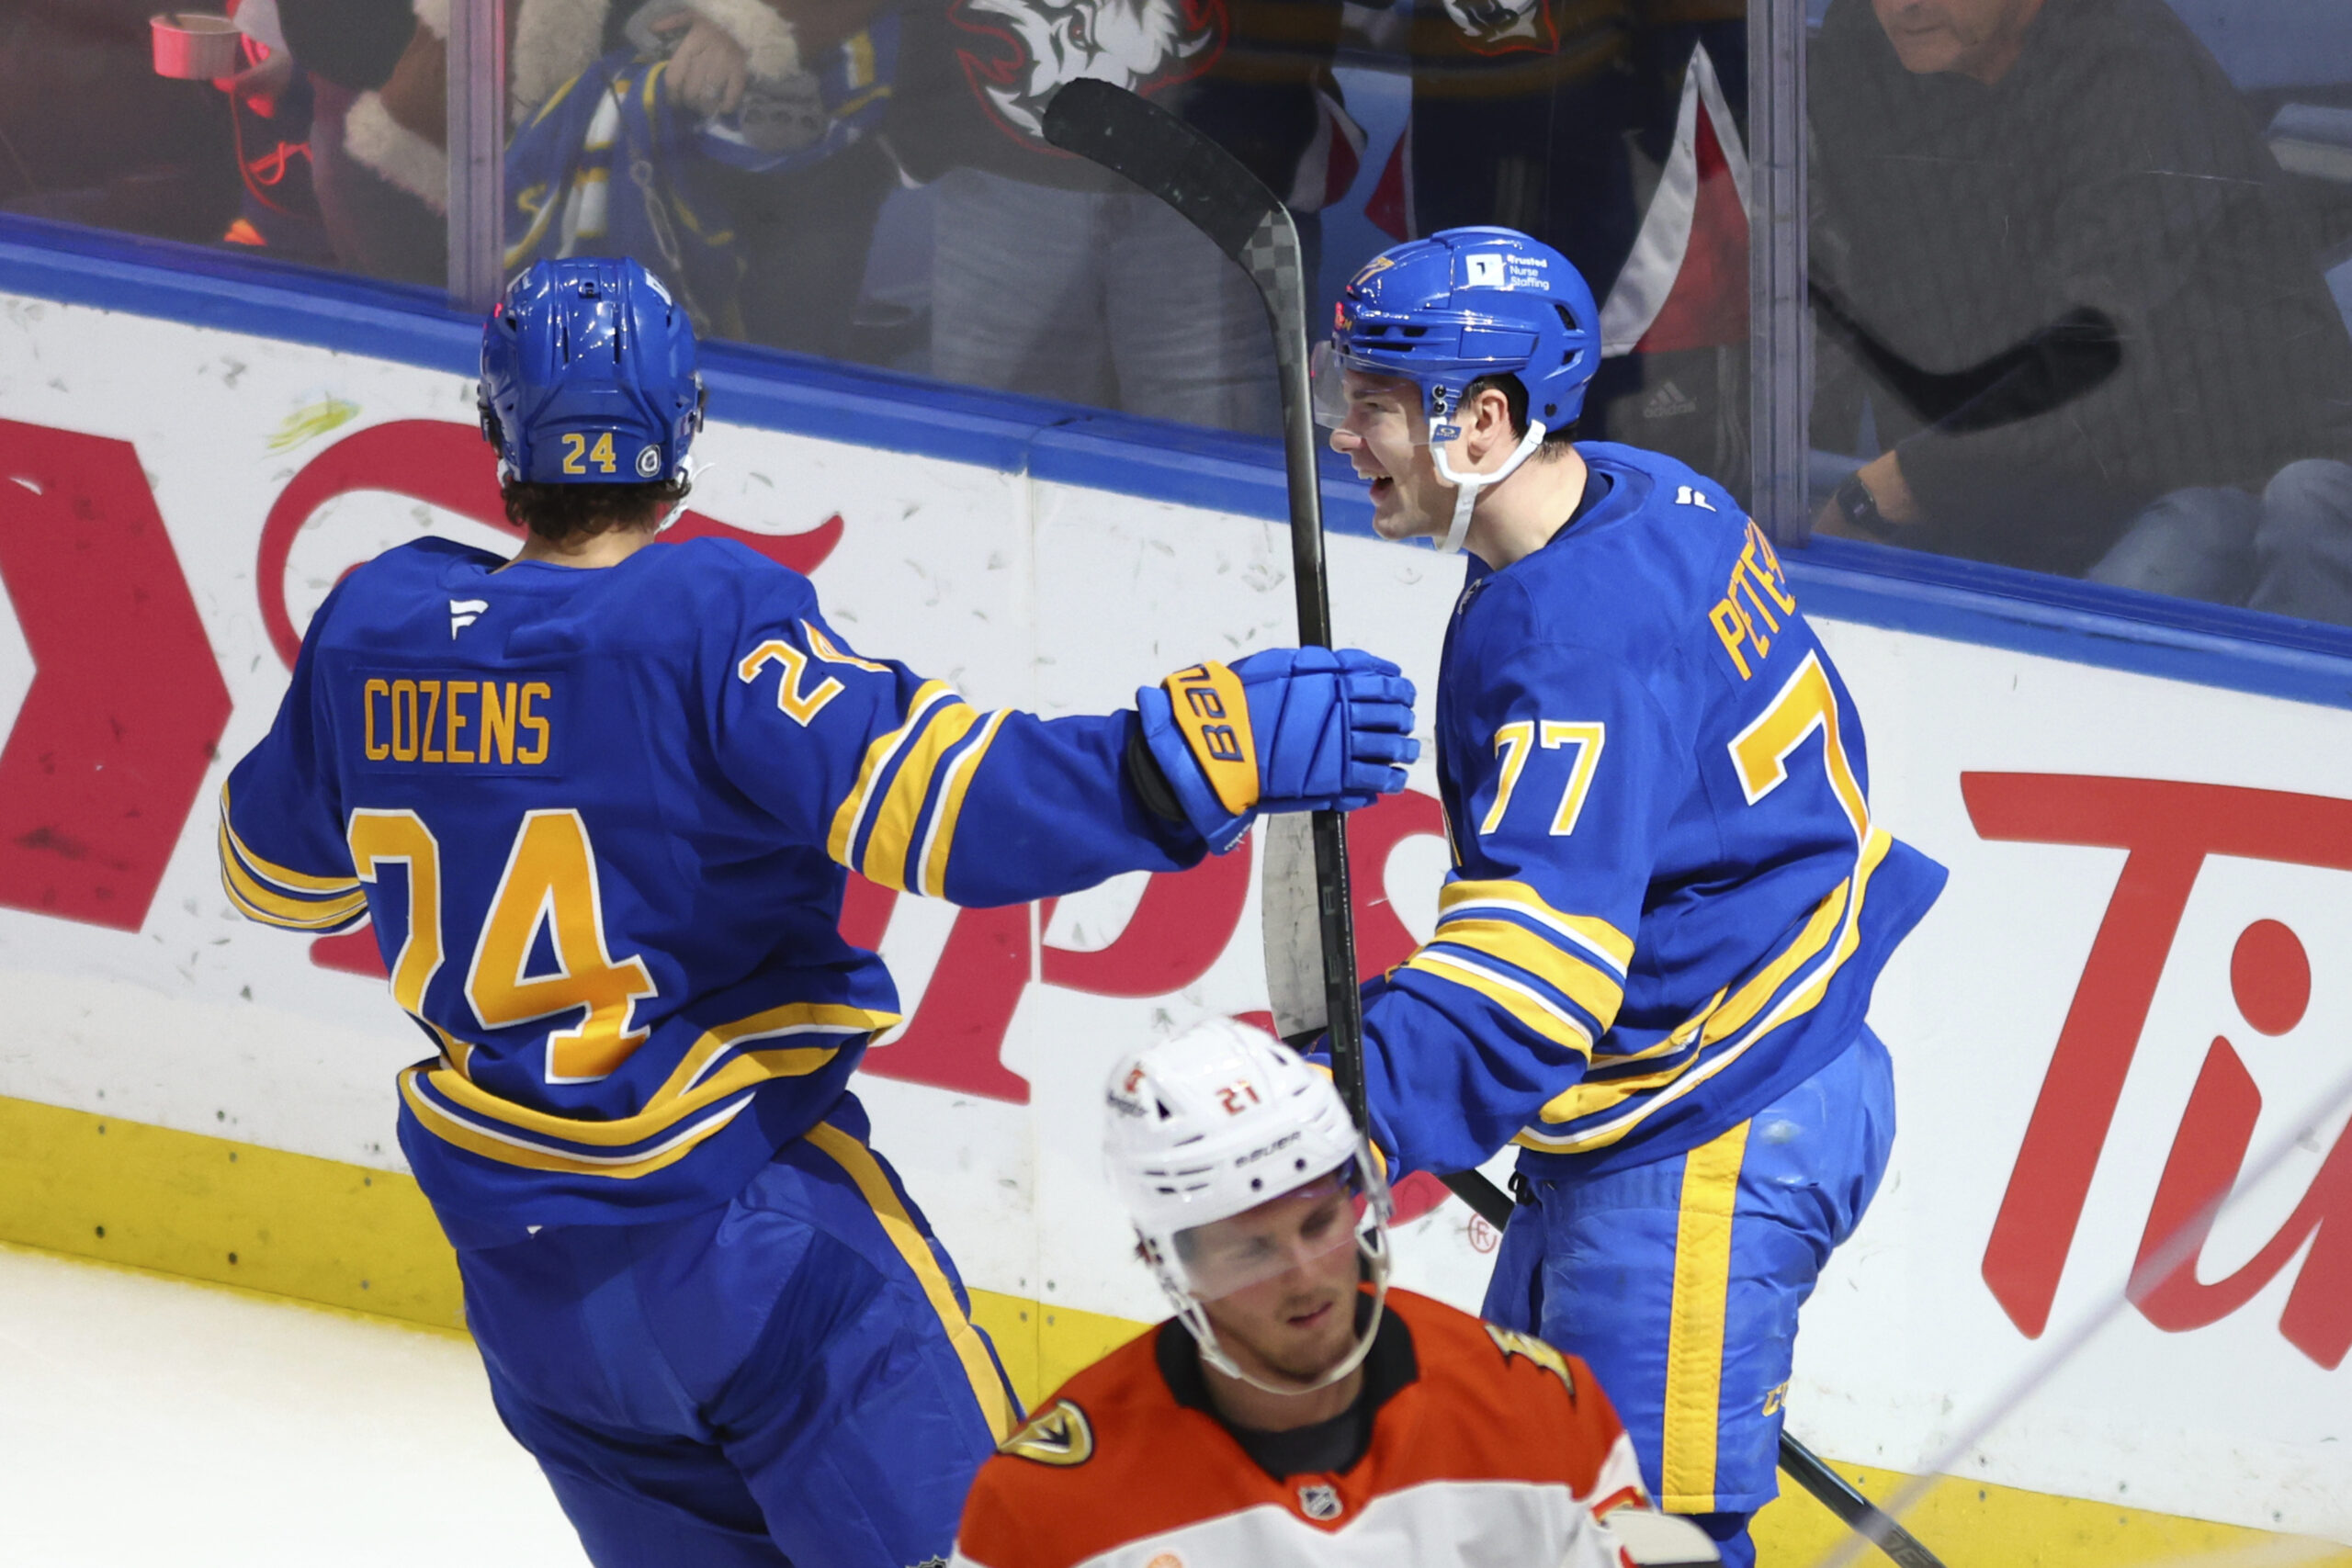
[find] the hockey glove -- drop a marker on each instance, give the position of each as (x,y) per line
(1288,729)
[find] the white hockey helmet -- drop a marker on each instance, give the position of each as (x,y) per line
(1214,1122)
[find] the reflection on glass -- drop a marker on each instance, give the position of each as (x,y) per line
(728,145)
(1048,275)
(2072,311)
(1613,129)
(89,134)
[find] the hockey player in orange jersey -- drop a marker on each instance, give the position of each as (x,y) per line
(1295,1410)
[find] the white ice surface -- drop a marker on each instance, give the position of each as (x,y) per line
(144,1421)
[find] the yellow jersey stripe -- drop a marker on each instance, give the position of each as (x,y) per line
(259,901)
(251,911)
(1522,1002)
(743,1071)
(1591,988)
(1711,1024)
(773,1023)
(1695,1335)
(939,840)
(291,880)
(1807,996)
(508,1149)
(979,1366)
(1589,1099)
(852,810)
(1750,997)
(1596,936)
(900,813)
(1800,1000)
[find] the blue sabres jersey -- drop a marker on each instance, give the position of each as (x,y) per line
(1669,900)
(600,820)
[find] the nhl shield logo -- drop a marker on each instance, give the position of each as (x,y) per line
(1319,1503)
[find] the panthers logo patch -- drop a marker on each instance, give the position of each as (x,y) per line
(1057,1436)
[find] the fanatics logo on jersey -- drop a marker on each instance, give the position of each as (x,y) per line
(464,612)
(1060,1436)
(1319,1503)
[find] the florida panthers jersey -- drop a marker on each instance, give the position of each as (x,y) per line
(1487,1449)
(600,820)
(1669,900)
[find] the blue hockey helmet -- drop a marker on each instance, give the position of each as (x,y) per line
(1463,303)
(1443,311)
(588,375)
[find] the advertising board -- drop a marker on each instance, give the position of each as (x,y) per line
(2134,978)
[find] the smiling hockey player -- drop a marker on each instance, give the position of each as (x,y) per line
(1670,901)
(1295,1410)
(599,802)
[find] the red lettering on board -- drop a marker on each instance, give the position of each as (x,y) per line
(1183,924)
(126,706)
(2167,829)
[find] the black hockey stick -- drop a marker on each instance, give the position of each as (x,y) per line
(1208,188)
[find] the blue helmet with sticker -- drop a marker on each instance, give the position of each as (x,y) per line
(588,375)
(1463,303)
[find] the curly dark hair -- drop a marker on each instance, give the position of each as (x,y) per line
(559,513)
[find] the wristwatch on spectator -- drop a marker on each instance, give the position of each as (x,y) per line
(1859,508)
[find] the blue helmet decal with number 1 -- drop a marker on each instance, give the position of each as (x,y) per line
(588,375)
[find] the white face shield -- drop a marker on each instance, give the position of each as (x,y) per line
(1294,1234)
(1383,410)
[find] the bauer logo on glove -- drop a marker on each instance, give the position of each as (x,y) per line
(1287,729)
(1215,717)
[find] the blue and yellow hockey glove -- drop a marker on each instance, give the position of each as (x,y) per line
(1288,729)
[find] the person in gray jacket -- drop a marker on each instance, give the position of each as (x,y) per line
(2051,249)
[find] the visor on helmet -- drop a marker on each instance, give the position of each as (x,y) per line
(1378,404)
(1336,1211)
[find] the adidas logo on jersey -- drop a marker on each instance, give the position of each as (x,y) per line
(1669,401)
(464,612)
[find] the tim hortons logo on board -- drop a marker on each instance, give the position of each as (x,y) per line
(2167,831)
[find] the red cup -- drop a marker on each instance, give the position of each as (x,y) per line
(193,46)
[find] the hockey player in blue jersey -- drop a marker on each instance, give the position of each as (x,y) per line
(599,802)
(1669,900)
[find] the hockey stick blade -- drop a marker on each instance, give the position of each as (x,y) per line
(1290,926)
(1133,137)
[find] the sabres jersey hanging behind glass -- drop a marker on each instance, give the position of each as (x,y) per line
(1669,900)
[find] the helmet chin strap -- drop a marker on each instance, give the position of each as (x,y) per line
(1467,486)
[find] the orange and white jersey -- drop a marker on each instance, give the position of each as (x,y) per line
(1488,1448)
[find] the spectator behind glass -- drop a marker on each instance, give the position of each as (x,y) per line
(376,225)
(1558,118)
(1051,276)
(90,134)
(2090,324)
(792,242)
